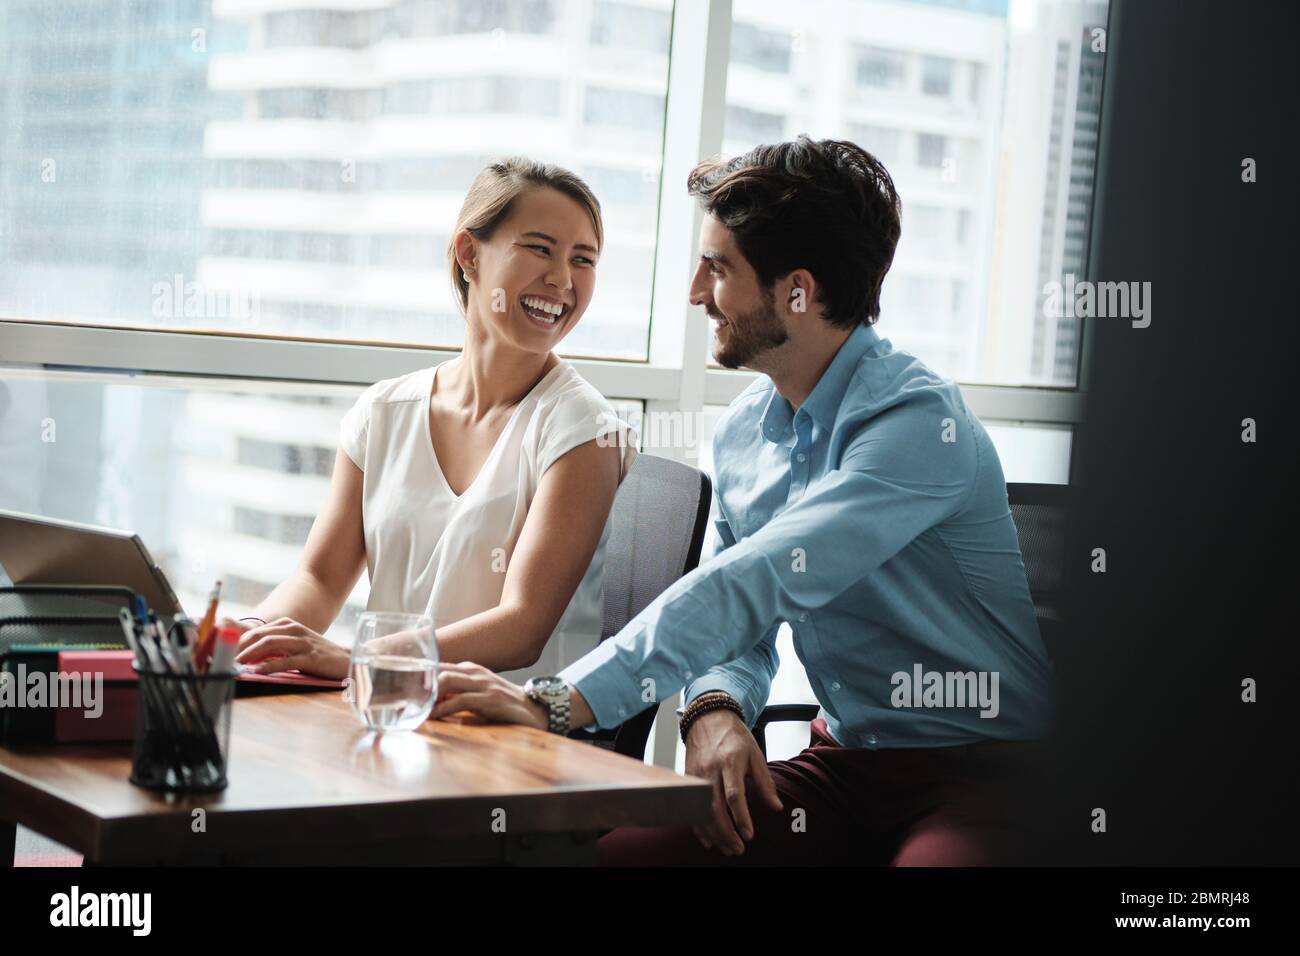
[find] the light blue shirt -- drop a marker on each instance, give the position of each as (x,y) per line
(874,521)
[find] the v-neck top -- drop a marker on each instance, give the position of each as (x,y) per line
(430,551)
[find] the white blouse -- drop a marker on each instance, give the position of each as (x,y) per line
(431,551)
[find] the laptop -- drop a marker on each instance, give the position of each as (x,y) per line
(37,550)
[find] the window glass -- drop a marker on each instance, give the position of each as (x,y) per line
(298,172)
(985,113)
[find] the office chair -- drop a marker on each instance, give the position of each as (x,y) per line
(659,517)
(1039,513)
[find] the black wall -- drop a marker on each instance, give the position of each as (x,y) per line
(1198,527)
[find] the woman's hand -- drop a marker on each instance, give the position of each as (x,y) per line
(284,644)
(472,687)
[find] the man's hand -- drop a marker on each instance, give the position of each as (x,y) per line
(720,748)
(472,687)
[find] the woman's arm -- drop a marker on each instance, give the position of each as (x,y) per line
(555,547)
(332,559)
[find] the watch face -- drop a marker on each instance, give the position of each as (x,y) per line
(548,686)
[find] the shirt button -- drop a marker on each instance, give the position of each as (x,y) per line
(689,675)
(803,617)
(801,456)
(835,685)
(871,739)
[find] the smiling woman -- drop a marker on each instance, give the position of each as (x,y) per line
(478,491)
(494,194)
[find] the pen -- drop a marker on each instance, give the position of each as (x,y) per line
(210,618)
(128,628)
(185,634)
(223,664)
(206,632)
(223,658)
(152,659)
(164,647)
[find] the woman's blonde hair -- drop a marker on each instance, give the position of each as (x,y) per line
(492,194)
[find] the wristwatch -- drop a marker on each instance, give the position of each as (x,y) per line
(553,694)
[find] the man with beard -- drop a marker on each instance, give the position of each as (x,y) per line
(861,503)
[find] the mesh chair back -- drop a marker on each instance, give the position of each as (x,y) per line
(656,533)
(1039,512)
(659,517)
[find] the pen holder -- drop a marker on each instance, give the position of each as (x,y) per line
(182,731)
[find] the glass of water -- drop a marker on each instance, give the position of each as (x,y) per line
(394,670)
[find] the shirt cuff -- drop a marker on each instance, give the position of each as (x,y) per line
(740,693)
(612,694)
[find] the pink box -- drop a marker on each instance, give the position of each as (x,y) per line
(116,722)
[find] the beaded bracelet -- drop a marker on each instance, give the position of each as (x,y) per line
(713,700)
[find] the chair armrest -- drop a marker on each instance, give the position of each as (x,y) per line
(628,738)
(780,714)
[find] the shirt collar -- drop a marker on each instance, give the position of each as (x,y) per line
(827,395)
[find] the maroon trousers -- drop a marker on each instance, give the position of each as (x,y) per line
(935,806)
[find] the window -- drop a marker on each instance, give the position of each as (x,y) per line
(154,161)
(272,525)
(220,479)
(883,143)
(628,108)
(284,181)
(323,28)
(881,69)
(630,27)
(417,18)
(285,458)
(991,118)
(754,126)
(762,49)
(478,94)
(931,150)
(936,76)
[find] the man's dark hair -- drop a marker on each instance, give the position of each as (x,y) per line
(827,206)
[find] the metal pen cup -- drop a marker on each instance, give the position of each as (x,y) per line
(182,731)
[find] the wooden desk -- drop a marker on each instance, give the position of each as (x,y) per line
(309,785)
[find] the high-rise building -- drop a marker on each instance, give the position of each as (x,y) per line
(1045,183)
(104,109)
(918,85)
(334,192)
